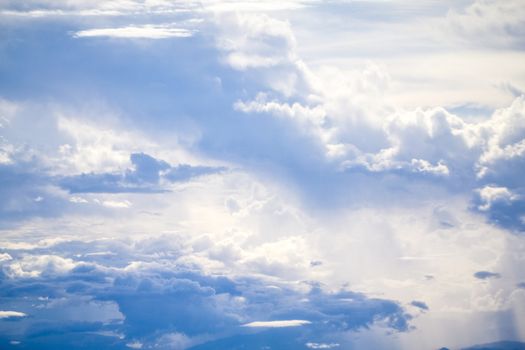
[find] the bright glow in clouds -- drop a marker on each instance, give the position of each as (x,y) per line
(275,175)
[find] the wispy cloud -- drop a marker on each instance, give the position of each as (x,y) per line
(11,314)
(276,324)
(136,32)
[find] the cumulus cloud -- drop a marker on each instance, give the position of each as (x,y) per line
(353,127)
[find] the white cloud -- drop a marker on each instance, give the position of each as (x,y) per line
(254,5)
(116,204)
(175,341)
(424,166)
(5,257)
(42,8)
(77,199)
(9,314)
(322,345)
(32,266)
(135,345)
(276,324)
(504,136)
(254,40)
(63,8)
(138,32)
(491,194)
(358,127)
(96,148)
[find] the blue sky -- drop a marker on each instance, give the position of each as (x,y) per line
(263,175)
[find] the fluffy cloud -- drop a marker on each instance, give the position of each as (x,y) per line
(489,195)
(162,295)
(354,128)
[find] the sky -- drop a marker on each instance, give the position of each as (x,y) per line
(295,174)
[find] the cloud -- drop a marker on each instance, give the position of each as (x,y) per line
(5,257)
(353,129)
(483,275)
(185,172)
(11,314)
(419,304)
(135,345)
(489,23)
(329,167)
(254,41)
(175,341)
(44,8)
(145,176)
(136,32)
(489,195)
(503,207)
(117,204)
(322,345)
(161,301)
(31,266)
(276,324)
(502,345)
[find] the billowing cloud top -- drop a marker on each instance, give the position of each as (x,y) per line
(265,175)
